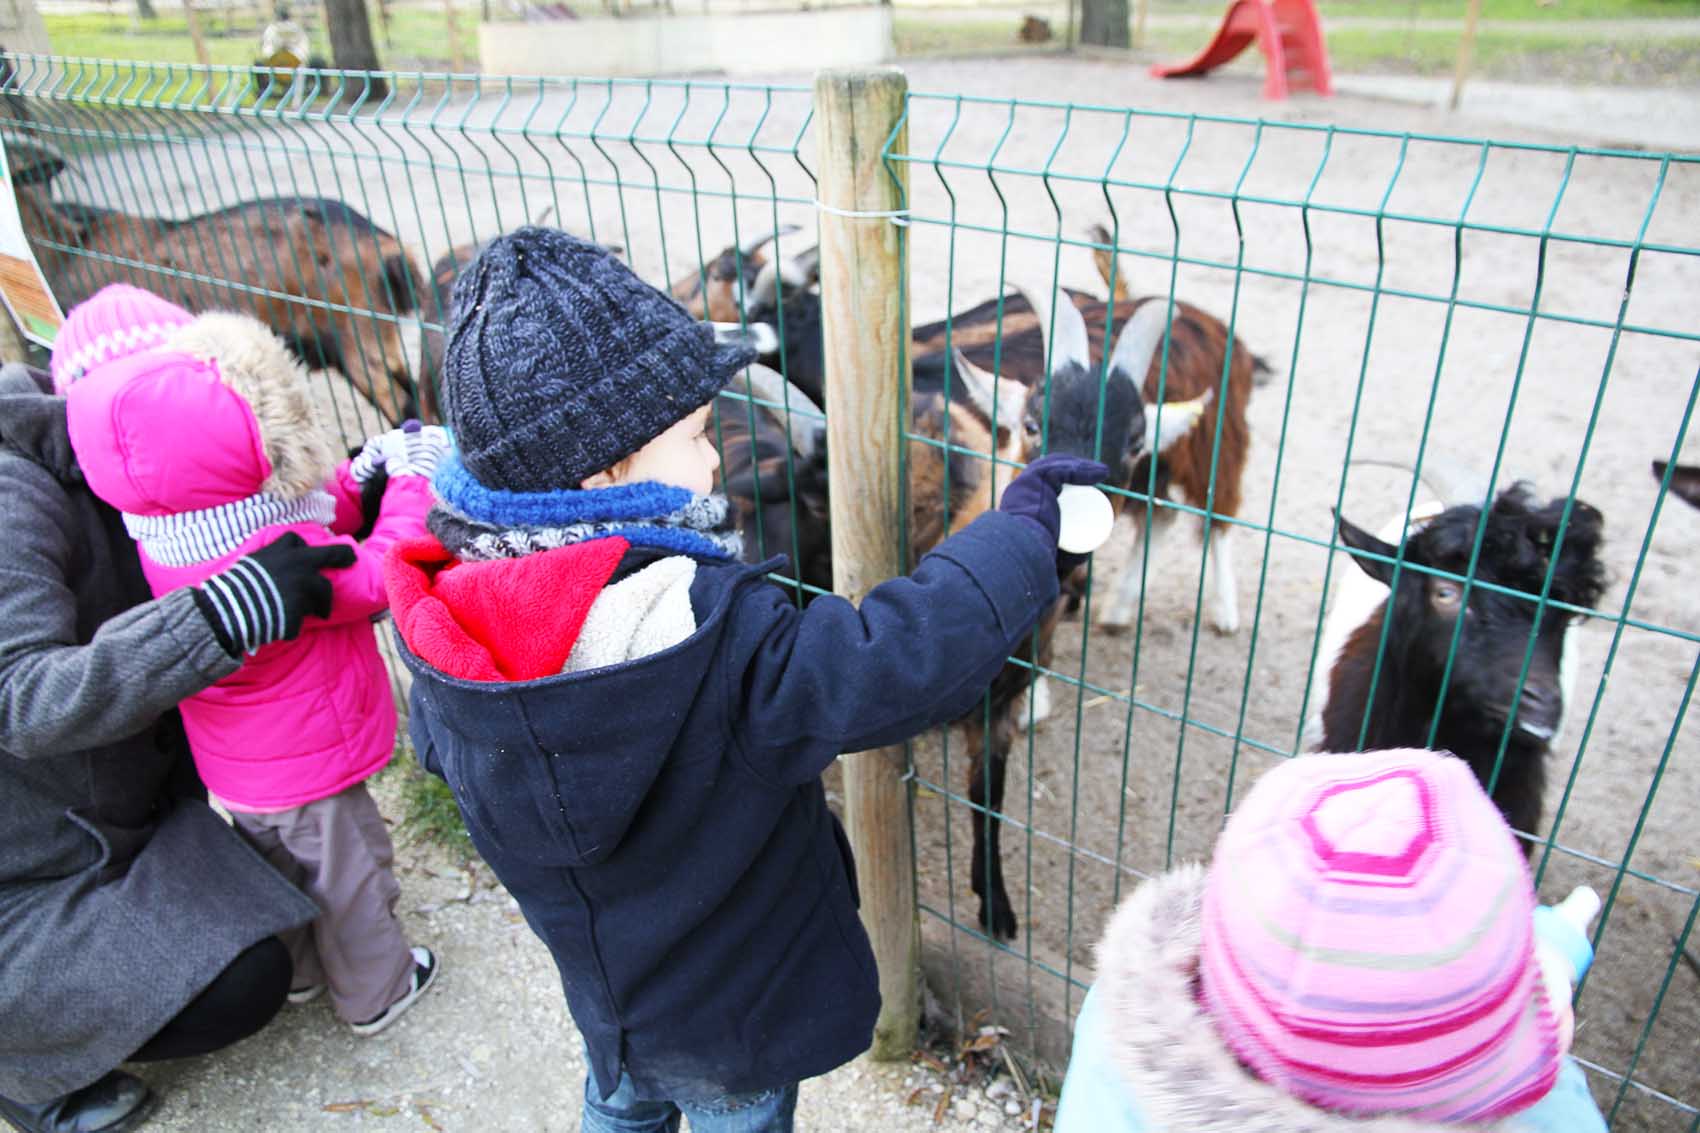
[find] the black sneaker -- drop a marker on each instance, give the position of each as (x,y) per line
(115,1103)
(424,975)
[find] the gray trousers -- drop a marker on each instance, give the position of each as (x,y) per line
(338,852)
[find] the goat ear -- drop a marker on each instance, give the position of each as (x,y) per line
(1357,541)
(977,385)
(1684,481)
(993,399)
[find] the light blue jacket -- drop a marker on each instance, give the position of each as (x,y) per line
(1147,1060)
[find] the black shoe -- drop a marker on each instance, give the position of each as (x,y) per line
(116,1103)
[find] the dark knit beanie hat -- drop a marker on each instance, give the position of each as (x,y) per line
(561,362)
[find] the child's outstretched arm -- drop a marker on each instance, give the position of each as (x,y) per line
(919,651)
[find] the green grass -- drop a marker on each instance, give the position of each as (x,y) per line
(428,811)
(967,37)
(165,40)
(417,38)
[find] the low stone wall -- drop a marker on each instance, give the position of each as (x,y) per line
(742,44)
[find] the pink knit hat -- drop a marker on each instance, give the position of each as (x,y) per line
(115,321)
(1367,941)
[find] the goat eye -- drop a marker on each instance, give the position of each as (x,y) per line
(1445,595)
(1031,427)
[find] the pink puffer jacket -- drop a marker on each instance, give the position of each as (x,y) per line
(219,414)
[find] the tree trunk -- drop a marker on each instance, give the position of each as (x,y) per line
(144,10)
(352,49)
(1104,23)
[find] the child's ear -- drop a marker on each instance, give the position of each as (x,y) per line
(607,478)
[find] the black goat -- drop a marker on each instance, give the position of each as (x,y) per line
(1484,707)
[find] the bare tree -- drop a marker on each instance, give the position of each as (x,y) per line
(352,48)
(1104,23)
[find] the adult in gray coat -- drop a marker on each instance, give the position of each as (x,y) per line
(134,923)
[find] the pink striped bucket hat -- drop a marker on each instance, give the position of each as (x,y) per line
(1368,943)
(116,321)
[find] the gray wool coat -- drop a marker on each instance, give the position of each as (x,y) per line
(122,894)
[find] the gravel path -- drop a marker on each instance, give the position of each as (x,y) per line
(489,1049)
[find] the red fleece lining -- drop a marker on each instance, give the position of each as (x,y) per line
(507,620)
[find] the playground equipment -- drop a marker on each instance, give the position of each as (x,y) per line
(1289,33)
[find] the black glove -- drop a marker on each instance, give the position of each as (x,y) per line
(264,596)
(371,501)
(1033,496)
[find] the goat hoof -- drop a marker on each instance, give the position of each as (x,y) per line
(998,921)
(1226,625)
(1113,626)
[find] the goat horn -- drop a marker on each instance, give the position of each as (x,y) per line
(760,337)
(797,273)
(1455,482)
(1068,340)
(755,246)
(802,423)
(1139,341)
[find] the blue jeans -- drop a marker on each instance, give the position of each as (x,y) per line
(768,1111)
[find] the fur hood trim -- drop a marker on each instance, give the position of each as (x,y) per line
(1169,1052)
(254,363)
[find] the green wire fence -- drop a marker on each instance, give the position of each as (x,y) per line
(1523,310)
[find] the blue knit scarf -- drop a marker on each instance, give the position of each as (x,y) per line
(476,523)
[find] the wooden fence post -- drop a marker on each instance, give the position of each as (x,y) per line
(865,333)
(199,40)
(457,58)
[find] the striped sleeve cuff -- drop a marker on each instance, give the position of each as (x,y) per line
(246,607)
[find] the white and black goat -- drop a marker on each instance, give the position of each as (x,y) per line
(1483,707)
(1103,418)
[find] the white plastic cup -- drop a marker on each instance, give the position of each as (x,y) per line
(1087,519)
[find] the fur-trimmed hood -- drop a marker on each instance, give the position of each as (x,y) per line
(1169,1053)
(218,413)
(254,363)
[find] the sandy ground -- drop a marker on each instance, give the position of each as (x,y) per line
(490,1049)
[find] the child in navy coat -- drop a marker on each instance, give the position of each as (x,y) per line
(634,723)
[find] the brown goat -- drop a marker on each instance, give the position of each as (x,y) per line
(293,262)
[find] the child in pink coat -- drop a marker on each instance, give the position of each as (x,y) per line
(209,445)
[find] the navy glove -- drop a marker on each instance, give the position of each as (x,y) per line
(264,596)
(1033,496)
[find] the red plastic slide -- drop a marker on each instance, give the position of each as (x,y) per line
(1290,33)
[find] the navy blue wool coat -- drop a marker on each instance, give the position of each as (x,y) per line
(662,823)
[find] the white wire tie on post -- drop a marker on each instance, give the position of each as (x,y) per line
(898,217)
